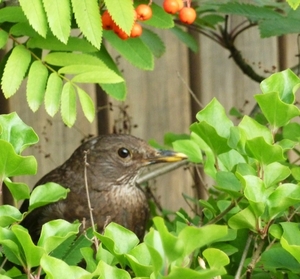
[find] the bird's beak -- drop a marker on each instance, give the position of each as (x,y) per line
(167,156)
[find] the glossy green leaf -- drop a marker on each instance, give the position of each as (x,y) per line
(275,173)
(53,94)
(36,84)
(227,182)
(32,254)
(19,191)
(52,43)
(186,273)
(291,131)
(153,42)
(216,259)
(280,113)
(159,19)
(59,18)
(88,256)
(56,268)
(227,161)
(34,11)
(9,215)
(186,38)
(244,219)
(55,233)
(87,104)
(45,194)
(263,152)
(68,104)
(122,13)
(104,270)
(284,83)
(134,50)
(15,131)
(15,70)
(12,164)
(290,240)
(190,148)
(3,38)
(98,76)
(282,198)
(87,16)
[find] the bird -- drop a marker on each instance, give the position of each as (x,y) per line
(113,164)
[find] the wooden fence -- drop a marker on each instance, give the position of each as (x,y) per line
(159,101)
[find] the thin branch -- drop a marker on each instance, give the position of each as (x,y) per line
(243,258)
(255,258)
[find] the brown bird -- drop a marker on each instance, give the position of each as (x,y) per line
(114,162)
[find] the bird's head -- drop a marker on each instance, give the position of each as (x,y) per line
(118,157)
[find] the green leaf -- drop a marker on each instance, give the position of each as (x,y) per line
(36,84)
(9,215)
(216,259)
(55,268)
(275,173)
(55,233)
(294,4)
(87,16)
(122,13)
(34,11)
(12,14)
(104,270)
(45,194)
(227,182)
(32,254)
(153,42)
(159,19)
(59,18)
(15,70)
(52,43)
(53,94)
(15,131)
(134,50)
(244,219)
(68,104)
(97,76)
(19,191)
(263,152)
(291,131)
(186,38)
(12,164)
(190,148)
(87,104)
(227,161)
(3,38)
(290,240)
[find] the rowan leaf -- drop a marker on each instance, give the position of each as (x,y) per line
(53,94)
(15,70)
(87,104)
(87,16)
(59,18)
(36,84)
(68,104)
(34,11)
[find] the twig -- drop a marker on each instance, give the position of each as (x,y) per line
(243,258)
(255,258)
(88,197)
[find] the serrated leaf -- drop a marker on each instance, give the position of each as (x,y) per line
(68,104)
(52,43)
(87,16)
(34,11)
(186,38)
(87,104)
(45,194)
(15,131)
(59,18)
(294,4)
(53,94)
(122,13)
(134,50)
(159,19)
(154,42)
(15,70)
(3,38)
(282,26)
(36,84)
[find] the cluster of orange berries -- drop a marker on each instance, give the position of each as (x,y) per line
(144,12)
(186,14)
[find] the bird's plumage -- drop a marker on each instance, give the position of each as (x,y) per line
(114,162)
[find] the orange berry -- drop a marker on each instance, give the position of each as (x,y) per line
(143,11)
(121,34)
(136,30)
(180,4)
(107,21)
(171,6)
(187,15)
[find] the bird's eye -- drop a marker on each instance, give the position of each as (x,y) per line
(124,152)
